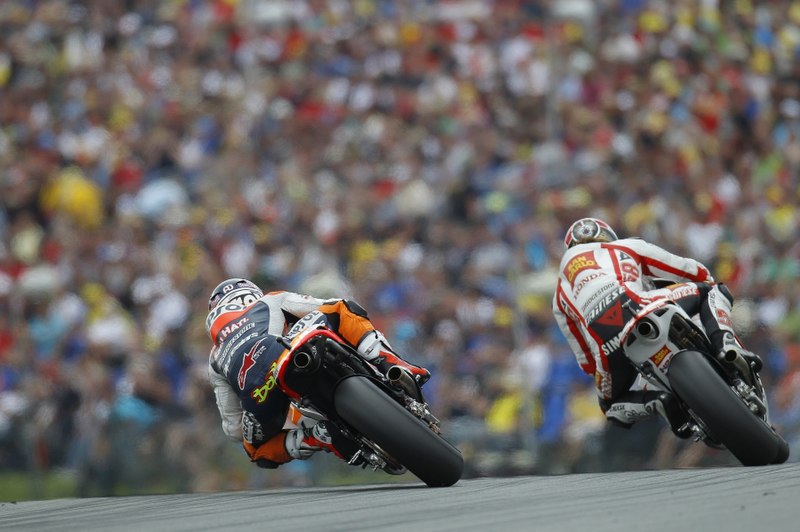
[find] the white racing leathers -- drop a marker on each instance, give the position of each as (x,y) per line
(600,287)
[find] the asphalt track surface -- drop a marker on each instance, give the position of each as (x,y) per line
(762,499)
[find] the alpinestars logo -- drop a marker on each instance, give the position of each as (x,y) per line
(248,361)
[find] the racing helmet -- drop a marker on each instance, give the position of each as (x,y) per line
(236,290)
(589,230)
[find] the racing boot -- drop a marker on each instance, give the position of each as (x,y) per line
(634,406)
(717,310)
(303,442)
(627,409)
(376,350)
(667,406)
(731,345)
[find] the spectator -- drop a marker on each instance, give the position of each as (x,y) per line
(424,157)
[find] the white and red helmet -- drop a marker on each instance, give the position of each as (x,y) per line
(589,230)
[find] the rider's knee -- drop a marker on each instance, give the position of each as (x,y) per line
(355,308)
(349,319)
(722,289)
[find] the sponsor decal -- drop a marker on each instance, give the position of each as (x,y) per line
(581,262)
(683,290)
(603,304)
(214,314)
(231,327)
(260,394)
(598,293)
(240,333)
(723,318)
(586,279)
(659,356)
(248,361)
(612,316)
(252,431)
(612,345)
(230,346)
(306,321)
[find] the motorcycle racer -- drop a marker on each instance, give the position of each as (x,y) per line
(245,327)
(603,281)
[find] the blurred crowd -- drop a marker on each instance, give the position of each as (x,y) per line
(422,157)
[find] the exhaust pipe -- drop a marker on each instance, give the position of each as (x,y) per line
(730,356)
(302,360)
(647,329)
(735,359)
(402,380)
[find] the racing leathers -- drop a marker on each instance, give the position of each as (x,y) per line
(246,347)
(600,288)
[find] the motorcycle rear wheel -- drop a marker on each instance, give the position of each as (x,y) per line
(405,438)
(727,417)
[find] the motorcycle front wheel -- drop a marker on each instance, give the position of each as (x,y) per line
(727,417)
(379,418)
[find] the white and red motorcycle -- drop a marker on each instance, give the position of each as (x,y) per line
(723,396)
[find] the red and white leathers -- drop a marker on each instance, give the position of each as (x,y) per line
(596,280)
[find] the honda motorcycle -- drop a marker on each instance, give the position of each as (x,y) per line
(386,416)
(722,395)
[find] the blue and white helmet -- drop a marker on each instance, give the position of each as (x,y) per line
(234,290)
